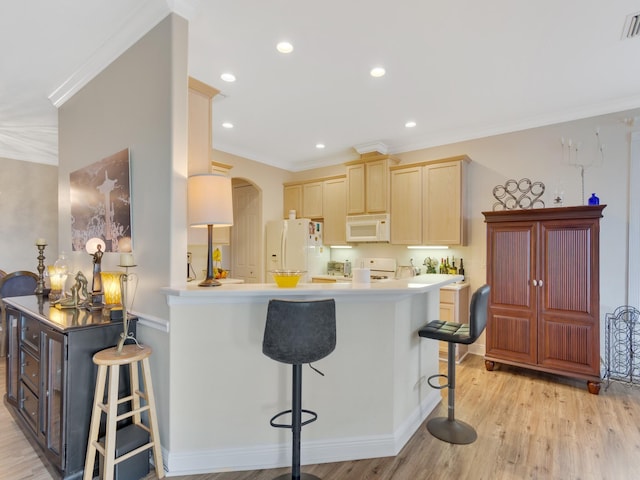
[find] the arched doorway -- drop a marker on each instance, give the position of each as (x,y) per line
(246,234)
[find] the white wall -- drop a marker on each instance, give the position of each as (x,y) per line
(139,102)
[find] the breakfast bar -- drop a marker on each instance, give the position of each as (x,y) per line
(371,399)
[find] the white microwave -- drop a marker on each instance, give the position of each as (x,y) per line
(369,228)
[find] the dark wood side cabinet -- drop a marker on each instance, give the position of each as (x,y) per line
(544,309)
(51,376)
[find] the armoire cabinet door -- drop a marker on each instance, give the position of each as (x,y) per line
(567,318)
(511,266)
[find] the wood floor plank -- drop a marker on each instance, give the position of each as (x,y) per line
(530,425)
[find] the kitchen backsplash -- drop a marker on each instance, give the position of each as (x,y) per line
(403,255)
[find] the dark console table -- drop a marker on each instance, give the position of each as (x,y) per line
(51,376)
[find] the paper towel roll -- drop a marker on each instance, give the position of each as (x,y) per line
(361,275)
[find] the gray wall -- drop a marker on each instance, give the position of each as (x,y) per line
(28,210)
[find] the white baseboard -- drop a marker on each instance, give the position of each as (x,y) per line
(311,452)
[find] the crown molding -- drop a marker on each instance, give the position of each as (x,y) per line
(184,8)
(139,22)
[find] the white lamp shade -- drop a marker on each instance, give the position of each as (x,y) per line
(210,201)
(92,245)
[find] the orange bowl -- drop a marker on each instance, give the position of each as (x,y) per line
(287,278)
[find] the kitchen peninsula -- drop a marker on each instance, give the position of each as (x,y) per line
(373,397)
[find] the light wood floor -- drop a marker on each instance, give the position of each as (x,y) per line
(530,426)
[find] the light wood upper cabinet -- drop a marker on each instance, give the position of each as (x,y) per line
(312,199)
(377,186)
(334,206)
(292,200)
(427,204)
(355,189)
(443,218)
(406,206)
(368,184)
(305,198)
(321,199)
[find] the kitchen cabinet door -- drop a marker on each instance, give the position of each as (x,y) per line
(356,199)
(312,194)
(335,211)
(443,219)
(292,200)
(454,307)
(377,186)
(368,187)
(406,206)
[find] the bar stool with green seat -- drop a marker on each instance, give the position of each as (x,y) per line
(448,428)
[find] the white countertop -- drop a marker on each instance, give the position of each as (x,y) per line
(405,286)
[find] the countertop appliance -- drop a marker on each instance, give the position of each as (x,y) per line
(369,228)
(381,268)
(296,244)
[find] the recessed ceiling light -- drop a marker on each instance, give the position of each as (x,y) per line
(227,125)
(228,77)
(320,145)
(410,124)
(377,72)
(284,47)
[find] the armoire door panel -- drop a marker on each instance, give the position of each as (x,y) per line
(511,276)
(511,335)
(568,346)
(566,268)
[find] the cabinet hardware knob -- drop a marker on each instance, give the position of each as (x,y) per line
(540,283)
(535,283)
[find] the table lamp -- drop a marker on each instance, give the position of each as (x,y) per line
(210,204)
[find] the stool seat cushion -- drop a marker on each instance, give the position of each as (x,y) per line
(299,332)
(447,331)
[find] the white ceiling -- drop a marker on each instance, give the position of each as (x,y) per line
(461,69)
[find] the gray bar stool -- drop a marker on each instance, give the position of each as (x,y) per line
(298,332)
(449,429)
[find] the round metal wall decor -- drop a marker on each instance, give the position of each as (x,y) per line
(518,194)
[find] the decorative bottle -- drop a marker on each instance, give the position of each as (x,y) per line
(593,200)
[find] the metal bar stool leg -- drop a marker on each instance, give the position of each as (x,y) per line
(449,429)
(296,428)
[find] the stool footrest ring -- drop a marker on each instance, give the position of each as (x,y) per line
(438,386)
(314,417)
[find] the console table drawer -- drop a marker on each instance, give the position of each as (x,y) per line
(30,332)
(28,406)
(30,370)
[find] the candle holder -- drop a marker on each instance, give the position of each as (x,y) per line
(125,280)
(40,283)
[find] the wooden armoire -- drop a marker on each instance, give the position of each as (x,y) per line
(544,308)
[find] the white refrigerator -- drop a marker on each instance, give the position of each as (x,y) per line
(296,245)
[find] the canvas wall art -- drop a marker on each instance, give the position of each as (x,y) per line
(101,203)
